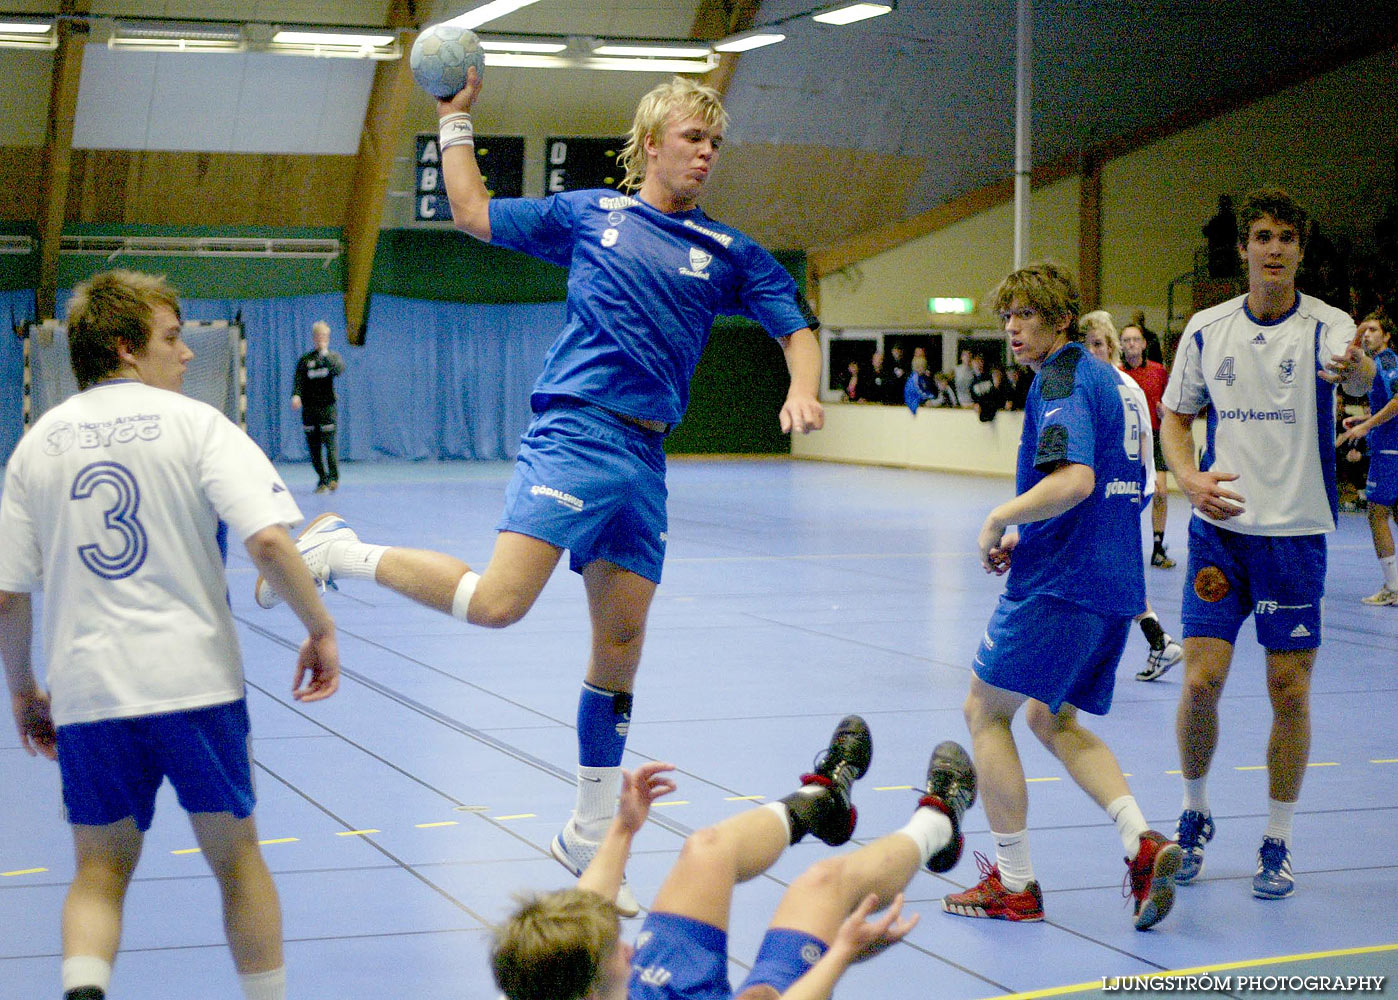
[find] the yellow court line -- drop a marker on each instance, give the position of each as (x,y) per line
(1251,767)
(518,816)
(1174,772)
(1324,763)
(1250,963)
(188,850)
(669,802)
(278,840)
(447,822)
(1385,760)
(1031,780)
(893,788)
(355,833)
(24,871)
(745,798)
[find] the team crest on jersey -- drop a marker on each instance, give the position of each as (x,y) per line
(811,953)
(699,262)
(1286,371)
(59,438)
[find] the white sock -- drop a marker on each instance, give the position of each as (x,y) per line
(1012,858)
(779,807)
(1196,794)
(461,600)
(1279,816)
(598,788)
(356,560)
(86,970)
(1390,572)
(930,830)
(264,985)
(1130,823)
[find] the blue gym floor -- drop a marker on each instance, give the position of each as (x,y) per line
(401,815)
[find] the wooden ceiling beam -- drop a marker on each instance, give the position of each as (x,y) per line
(58,147)
(379,141)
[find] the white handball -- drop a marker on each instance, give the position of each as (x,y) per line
(441,56)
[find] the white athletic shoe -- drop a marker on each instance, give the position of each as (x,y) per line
(1159,661)
(314,546)
(574,853)
(1384,598)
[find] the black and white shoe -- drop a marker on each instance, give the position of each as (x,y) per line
(951,789)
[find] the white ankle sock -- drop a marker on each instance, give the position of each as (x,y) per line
(1390,572)
(1012,858)
(930,830)
(461,600)
(356,560)
(1279,816)
(270,985)
(1130,823)
(86,970)
(779,807)
(1196,794)
(598,788)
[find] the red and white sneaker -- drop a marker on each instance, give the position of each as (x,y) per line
(1150,878)
(991,900)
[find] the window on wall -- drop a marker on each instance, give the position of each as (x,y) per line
(859,350)
(910,344)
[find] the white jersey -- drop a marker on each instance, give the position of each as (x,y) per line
(1131,391)
(1270,415)
(115,502)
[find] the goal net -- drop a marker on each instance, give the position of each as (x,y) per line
(217,374)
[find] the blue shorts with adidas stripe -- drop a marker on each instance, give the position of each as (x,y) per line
(1278,579)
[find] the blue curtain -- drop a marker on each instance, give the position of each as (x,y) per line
(16,308)
(435,380)
(444,380)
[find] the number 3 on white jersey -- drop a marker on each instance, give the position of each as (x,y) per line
(1131,443)
(124,532)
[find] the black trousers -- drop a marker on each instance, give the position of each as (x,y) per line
(319,424)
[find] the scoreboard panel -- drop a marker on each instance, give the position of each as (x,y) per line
(501,162)
(573,163)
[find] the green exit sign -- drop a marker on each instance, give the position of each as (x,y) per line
(950,305)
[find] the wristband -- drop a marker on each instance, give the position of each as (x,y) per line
(455,130)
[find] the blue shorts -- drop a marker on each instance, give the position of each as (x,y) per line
(112,768)
(1382,487)
(1278,579)
(679,958)
(589,482)
(1054,651)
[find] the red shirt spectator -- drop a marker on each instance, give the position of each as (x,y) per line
(1151,376)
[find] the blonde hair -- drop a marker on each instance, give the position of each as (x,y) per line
(109,309)
(1100,321)
(1051,290)
(681,97)
(555,946)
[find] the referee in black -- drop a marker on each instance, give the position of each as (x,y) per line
(313,393)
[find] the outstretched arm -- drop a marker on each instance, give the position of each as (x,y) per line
(639,789)
(29,704)
(1357,427)
(466,190)
(802,412)
(858,938)
(318,662)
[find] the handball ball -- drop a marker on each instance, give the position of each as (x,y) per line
(441,56)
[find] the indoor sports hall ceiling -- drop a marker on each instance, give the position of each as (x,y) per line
(841,129)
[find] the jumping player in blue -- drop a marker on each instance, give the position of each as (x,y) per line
(1077,579)
(1381,490)
(648,273)
(1264,364)
(566,945)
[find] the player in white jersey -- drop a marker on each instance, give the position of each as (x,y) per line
(118,502)
(1264,365)
(1102,342)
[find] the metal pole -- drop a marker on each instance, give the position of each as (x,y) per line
(1024,64)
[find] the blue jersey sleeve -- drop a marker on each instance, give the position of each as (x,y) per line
(769,296)
(1065,426)
(540,227)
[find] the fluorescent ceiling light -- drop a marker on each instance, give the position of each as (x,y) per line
(174,36)
(24,27)
(505,45)
(488,12)
(650,65)
(849,13)
(745,40)
(331,38)
(655,50)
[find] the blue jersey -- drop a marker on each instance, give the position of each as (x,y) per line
(643,290)
(1385,436)
(1079,411)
